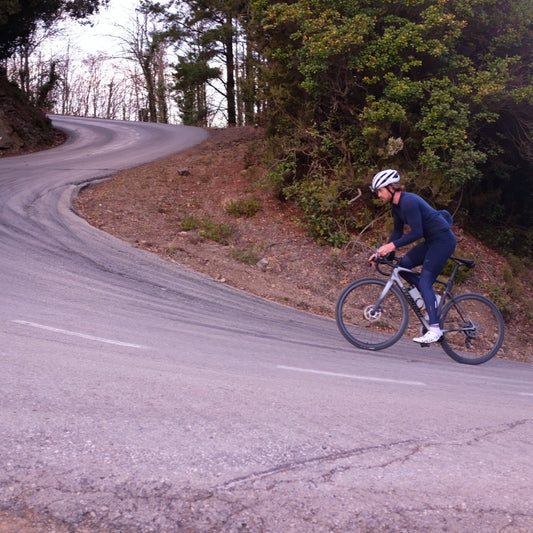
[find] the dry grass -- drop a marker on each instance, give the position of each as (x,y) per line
(154,208)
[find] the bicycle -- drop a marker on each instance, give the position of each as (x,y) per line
(373,314)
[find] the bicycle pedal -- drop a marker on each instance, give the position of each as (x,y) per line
(422,345)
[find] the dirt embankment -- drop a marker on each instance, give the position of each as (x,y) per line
(181,206)
(23,127)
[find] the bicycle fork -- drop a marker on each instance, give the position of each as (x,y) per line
(394,280)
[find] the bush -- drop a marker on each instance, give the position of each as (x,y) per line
(209,230)
(189,223)
(216,232)
(245,207)
(246,256)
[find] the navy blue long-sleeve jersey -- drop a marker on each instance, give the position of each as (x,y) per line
(424,221)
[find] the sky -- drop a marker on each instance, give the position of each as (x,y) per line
(99,37)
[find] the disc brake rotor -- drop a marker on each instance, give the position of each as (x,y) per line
(372,314)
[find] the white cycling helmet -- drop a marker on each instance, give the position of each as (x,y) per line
(384,178)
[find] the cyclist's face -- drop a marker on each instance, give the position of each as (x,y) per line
(384,195)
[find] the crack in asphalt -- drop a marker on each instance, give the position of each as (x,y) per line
(294,465)
(196,509)
(504,429)
(419,446)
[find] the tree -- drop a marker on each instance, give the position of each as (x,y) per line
(35,73)
(430,87)
(145,43)
(19,18)
(247,95)
(192,74)
(209,31)
(219,19)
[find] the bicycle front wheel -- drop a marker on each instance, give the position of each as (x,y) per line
(473,329)
(365,324)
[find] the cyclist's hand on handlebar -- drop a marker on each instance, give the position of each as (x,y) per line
(386,249)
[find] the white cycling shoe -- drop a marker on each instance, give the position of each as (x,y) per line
(432,335)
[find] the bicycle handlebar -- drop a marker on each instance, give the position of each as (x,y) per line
(389,260)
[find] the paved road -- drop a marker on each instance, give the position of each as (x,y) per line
(137,396)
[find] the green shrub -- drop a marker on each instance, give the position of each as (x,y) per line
(246,256)
(244,207)
(209,230)
(324,212)
(216,232)
(502,300)
(282,174)
(516,264)
(189,222)
(462,273)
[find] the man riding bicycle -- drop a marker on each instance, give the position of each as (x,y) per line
(432,253)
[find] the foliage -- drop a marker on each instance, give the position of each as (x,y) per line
(191,76)
(462,273)
(244,207)
(211,30)
(190,223)
(19,18)
(441,90)
(501,299)
(321,211)
(207,229)
(246,256)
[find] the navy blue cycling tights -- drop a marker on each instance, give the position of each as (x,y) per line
(432,256)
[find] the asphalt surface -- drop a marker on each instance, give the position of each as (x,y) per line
(138,396)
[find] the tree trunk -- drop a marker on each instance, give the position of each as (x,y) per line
(230,73)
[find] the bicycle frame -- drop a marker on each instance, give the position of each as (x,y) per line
(395,279)
(371,318)
(448,294)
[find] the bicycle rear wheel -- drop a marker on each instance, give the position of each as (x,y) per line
(366,326)
(476,329)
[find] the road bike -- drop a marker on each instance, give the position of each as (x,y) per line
(373,314)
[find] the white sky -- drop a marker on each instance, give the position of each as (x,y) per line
(99,37)
(102,38)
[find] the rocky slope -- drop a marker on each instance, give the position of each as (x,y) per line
(23,128)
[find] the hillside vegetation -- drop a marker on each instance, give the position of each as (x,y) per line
(440,90)
(23,127)
(214,209)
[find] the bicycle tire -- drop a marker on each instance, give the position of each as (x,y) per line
(355,321)
(485,339)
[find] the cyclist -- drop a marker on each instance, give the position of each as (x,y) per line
(432,253)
